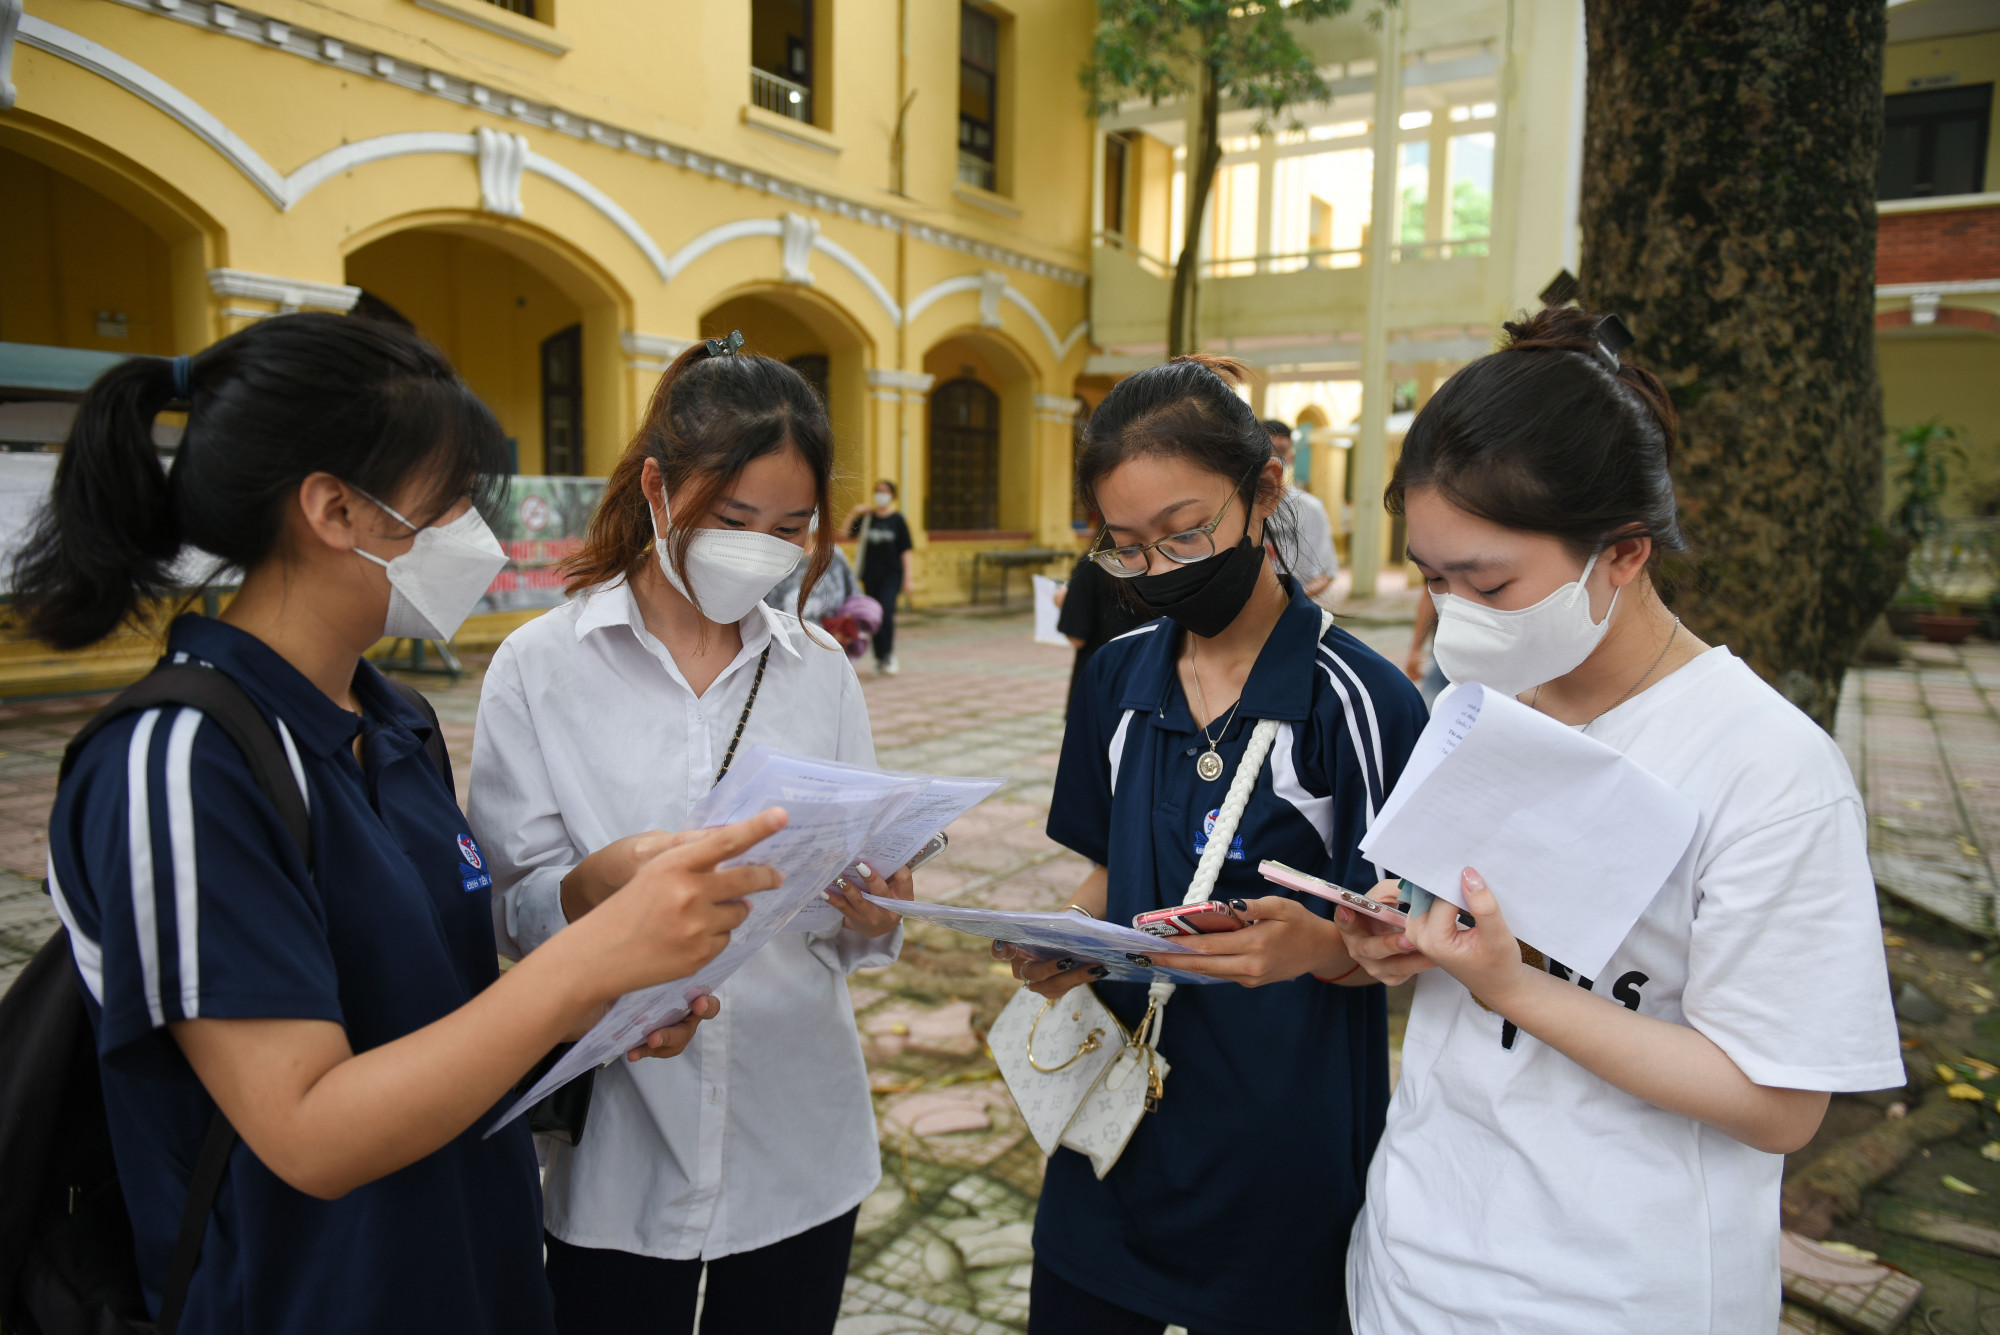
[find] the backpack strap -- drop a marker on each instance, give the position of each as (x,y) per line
(434,744)
(203,1186)
(222,700)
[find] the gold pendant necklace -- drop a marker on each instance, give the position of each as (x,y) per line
(1209,763)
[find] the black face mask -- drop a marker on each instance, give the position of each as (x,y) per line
(1208,595)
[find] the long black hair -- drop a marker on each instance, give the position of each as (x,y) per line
(1544,436)
(1184,409)
(293,395)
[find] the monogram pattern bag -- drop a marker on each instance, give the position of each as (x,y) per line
(1052,1053)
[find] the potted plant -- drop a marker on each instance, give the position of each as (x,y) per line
(1921,459)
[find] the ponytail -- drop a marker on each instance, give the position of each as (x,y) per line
(108,538)
(1554,433)
(370,403)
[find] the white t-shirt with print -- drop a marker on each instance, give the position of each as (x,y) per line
(1515,1191)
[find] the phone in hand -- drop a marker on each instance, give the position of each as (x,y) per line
(1293,879)
(1189,920)
(935,845)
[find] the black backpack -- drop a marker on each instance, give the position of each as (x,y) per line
(66,1260)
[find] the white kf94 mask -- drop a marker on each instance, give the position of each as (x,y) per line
(435,585)
(730,569)
(1513,651)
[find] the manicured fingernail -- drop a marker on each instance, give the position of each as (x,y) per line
(1098,971)
(1403,943)
(999,950)
(1065,964)
(1143,961)
(867,873)
(1472,879)
(1239,905)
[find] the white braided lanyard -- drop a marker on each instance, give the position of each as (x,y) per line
(1206,871)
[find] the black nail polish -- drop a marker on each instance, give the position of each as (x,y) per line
(1239,905)
(1098,971)
(1143,961)
(1065,965)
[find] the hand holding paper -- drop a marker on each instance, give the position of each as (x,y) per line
(1574,838)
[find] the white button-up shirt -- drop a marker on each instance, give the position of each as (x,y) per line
(763,1128)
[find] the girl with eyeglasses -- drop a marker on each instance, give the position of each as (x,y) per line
(1228,1211)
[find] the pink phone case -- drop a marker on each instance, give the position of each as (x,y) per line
(1293,879)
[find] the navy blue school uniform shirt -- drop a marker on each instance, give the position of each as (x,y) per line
(186,898)
(1230,1209)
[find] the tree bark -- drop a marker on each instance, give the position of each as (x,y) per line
(1203,160)
(1728,214)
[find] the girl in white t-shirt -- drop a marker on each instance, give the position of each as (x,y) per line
(1568,1154)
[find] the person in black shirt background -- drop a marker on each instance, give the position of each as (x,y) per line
(884,558)
(1093,614)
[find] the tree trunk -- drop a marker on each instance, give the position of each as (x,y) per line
(1728,214)
(1203,160)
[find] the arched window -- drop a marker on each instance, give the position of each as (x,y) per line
(965,457)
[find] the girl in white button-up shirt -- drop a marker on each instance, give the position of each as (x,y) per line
(600,725)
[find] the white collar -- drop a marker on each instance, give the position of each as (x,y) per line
(612,604)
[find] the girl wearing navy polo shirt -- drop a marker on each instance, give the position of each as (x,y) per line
(1576,1155)
(345,1014)
(741,1166)
(1229,1210)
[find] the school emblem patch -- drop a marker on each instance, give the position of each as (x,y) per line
(472,873)
(1235,853)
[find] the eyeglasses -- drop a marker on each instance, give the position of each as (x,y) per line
(1196,544)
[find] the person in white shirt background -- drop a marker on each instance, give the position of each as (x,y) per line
(600,725)
(1312,546)
(1567,1154)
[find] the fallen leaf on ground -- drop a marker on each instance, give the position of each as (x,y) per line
(1961,1090)
(1945,1073)
(1986,1070)
(1985,994)
(1896,1110)
(1891,939)
(1962,1188)
(1990,1150)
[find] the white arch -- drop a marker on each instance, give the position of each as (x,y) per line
(743,229)
(930,296)
(285,191)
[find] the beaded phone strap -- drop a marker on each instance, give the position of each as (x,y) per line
(755,683)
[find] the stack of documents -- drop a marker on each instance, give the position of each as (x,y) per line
(1573,838)
(839,814)
(1130,955)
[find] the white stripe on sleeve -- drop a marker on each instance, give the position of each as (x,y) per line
(1318,811)
(180,836)
(1374,725)
(1118,747)
(298,770)
(89,954)
(139,840)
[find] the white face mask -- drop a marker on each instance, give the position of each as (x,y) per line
(731,569)
(1513,651)
(435,585)
(883,500)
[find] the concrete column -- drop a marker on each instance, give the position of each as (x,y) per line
(1055,439)
(898,398)
(1369,463)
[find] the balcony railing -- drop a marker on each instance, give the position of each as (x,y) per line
(1246,265)
(975,170)
(781,95)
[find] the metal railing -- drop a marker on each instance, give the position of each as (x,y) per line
(1243,266)
(525,8)
(781,95)
(975,170)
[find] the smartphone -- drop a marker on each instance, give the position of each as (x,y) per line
(1189,920)
(936,845)
(1293,879)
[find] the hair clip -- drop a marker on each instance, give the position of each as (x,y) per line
(723,347)
(1612,338)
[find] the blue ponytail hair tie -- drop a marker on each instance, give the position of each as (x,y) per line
(181,390)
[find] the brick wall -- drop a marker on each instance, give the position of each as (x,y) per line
(1943,246)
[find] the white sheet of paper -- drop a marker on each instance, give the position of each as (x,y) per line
(1059,934)
(1046,612)
(1573,838)
(837,814)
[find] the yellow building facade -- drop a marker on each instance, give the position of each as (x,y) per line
(891,195)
